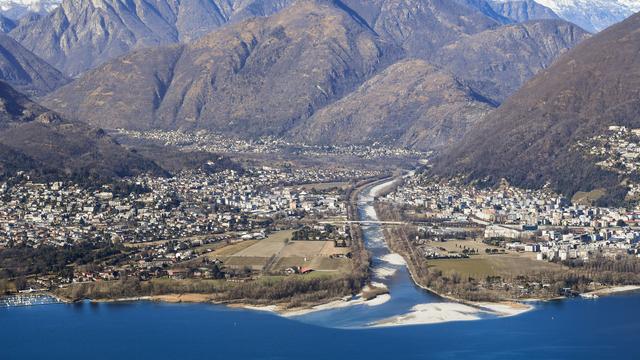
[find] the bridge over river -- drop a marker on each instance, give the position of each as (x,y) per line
(366,222)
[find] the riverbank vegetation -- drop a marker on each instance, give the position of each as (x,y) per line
(293,291)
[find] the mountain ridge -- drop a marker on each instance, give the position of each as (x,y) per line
(435,108)
(25,71)
(593,15)
(35,140)
(530,139)
(229,79)
(82,34)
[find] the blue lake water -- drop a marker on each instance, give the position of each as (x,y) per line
(570,329)
(386,270)
(573,329)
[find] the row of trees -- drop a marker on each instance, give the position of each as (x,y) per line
(293,290)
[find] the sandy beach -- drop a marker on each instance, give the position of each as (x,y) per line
(450,311)
(615,289)
(507,308)
(432,314)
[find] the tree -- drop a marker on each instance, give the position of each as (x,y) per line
(4,286)
(216,273)
(21,283)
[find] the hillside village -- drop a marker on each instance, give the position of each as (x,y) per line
(617,150)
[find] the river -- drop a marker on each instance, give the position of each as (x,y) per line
(568,329)
(406,302)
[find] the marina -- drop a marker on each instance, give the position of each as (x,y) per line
(27,299)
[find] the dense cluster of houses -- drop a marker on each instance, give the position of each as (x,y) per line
(208,141)
(189,204)
(618,149)
(529,220)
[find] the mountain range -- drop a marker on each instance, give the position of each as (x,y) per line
(271,75)
(593,15)
(424,74)
(530,140)
(81,34)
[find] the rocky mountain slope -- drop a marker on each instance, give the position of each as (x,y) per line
(40,142)
(6,24)
(16,9)
(593,15)
(498,62)
(522,10)
(268,75)
(531,138)
(486,8)
(418,105)
(421,26)
(26,72)
(81,34)
(258,77)
(411,103)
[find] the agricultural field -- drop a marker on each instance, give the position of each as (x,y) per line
(227,250)
(268,247)
(277,253)
(458,245)
(481,266)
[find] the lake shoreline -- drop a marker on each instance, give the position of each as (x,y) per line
(448,310)
(430,313)
(457,310)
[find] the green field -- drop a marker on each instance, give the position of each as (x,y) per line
(458,245)
(493,265)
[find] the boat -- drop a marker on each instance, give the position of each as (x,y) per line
(589,296)
(27,299)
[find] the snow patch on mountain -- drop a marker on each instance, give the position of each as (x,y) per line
(15,9)
(593,15)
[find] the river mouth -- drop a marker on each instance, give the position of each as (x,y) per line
(406,303)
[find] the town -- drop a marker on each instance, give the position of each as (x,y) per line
(528,220)
(618,149)
(506,242)
(196,224)
(212,142)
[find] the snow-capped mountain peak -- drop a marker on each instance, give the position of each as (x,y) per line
(15,9)
(593,15)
